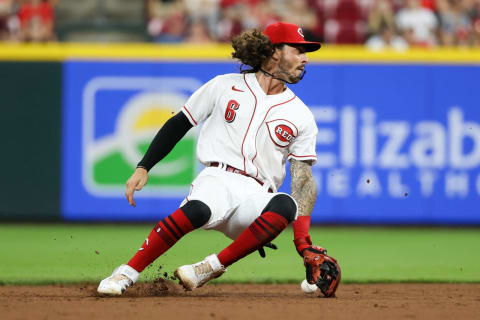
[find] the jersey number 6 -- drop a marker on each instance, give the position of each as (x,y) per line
(230,111)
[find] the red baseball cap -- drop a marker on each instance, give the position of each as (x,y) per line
(289,33)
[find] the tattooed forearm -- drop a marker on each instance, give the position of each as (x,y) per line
(304,189)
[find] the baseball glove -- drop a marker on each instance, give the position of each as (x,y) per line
(322,270)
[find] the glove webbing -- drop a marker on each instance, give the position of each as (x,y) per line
(329,273)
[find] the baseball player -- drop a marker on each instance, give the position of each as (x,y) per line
(252,124)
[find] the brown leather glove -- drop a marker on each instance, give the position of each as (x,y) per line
(321,270)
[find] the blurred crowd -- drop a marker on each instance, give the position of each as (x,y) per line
(398,24)
(377,23)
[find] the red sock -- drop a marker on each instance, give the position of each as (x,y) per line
(165,234)
(263,230)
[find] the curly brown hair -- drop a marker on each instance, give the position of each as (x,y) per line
(252,48)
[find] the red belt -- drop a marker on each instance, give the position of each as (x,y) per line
(229,168)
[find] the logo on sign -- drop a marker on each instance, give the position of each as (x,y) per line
(121,115)
(282,132)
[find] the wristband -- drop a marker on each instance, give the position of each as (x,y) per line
(300,233)
(302,243)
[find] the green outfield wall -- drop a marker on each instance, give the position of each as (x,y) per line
(30,131)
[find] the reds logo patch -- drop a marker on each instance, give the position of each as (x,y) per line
(282,132)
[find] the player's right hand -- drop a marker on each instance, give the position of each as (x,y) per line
(268,245)
(135,183)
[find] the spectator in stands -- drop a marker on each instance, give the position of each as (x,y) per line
(387,39)
(198,32)
(5,6)
(475,36)
(474,14)
(455,24)
(203,15)
(6,19)
(473,8)
(300,13)
(232,18)
(417,24)
(264,13)
(380,18)
(167,21)
(238,15)
(36,21)
(345,22)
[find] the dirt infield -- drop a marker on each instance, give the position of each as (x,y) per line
(165,300)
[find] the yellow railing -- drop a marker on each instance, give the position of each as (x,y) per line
(147,51)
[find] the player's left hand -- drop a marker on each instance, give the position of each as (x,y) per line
(270,245)
(321,270)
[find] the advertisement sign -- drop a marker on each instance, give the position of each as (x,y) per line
(396,143)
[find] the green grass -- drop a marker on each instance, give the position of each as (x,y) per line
(63,253)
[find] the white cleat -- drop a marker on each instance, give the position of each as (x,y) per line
(121,278)
(193,276)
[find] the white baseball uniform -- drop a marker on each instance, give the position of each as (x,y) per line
(253,132)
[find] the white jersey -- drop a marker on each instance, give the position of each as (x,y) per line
(250,130)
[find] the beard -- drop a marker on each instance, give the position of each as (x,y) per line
(286,75)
